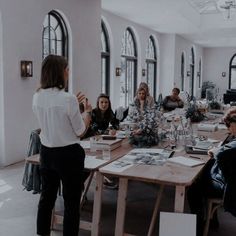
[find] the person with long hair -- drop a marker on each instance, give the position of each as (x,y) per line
(61,156)
(144,116)
(102,116)
(149,98)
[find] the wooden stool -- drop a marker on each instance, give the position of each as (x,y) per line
(218,202)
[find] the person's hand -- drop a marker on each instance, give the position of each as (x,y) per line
(211,152)
(112,132)
(137,131)
(80,97)
(87,106)
(141,105)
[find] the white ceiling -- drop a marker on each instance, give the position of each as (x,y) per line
(200,21)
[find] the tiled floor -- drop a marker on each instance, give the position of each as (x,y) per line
(18,208)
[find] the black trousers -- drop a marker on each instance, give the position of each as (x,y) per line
(198,193)
(63,164)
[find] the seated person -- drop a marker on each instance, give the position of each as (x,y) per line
(173,101)
(212,183)
(145,133)
(101,116)
(149,98)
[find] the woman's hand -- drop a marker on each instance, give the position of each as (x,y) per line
(212,152)
(137,131)
(87,106)
(80,97)
(112,132)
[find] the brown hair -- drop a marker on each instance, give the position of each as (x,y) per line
(176,89)
(141,89)
(144,85)
(103,95)
(52,72)
(230,117)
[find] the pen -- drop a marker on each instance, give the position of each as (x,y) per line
(195,157)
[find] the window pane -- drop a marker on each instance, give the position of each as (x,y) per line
(128,67)
(150,77)
(151,66)
(103,75)
(233,78)
(234,62)
(56,34)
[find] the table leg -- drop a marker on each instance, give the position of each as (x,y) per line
(121,207)
(179,198)
(156,208)
(97,205)
(87,185)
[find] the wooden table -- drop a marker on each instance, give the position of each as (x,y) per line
(167,175)
(57,217)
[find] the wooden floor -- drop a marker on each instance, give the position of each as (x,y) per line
(18,208)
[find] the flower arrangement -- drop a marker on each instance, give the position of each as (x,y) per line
(194,114)
(214,105)
(148,125)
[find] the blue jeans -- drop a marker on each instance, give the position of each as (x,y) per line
(63,164)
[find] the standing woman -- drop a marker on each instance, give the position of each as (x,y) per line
(61,156)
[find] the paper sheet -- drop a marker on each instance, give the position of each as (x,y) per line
(85,144)
(117,166)
(91,162)
(186,161)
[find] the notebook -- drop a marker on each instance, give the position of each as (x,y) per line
(186,161)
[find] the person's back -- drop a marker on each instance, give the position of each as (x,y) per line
(53,107)
(61,156)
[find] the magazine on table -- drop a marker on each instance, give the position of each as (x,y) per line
(147,156)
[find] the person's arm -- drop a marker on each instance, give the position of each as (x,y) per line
(114,122)
(180,103)
(87,115)
(79,122)
(164,103)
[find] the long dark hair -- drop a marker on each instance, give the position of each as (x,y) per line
(109,111)
(52,72)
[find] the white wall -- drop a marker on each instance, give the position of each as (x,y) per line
(216,61)
(2,129)
(167,68)
(21,35)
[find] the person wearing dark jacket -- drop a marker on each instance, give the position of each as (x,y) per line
(173,101)
(102,116)
(217,178)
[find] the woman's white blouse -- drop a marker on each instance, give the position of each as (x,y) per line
(59,117)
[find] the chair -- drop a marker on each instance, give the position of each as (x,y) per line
(159,102)
(31,177)
(121,113)
(212,205)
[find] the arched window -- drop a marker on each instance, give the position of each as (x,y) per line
(192,68)
(55,35)
(151,65)
(105,54)
(182,71)
(232,72)
(128,79)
